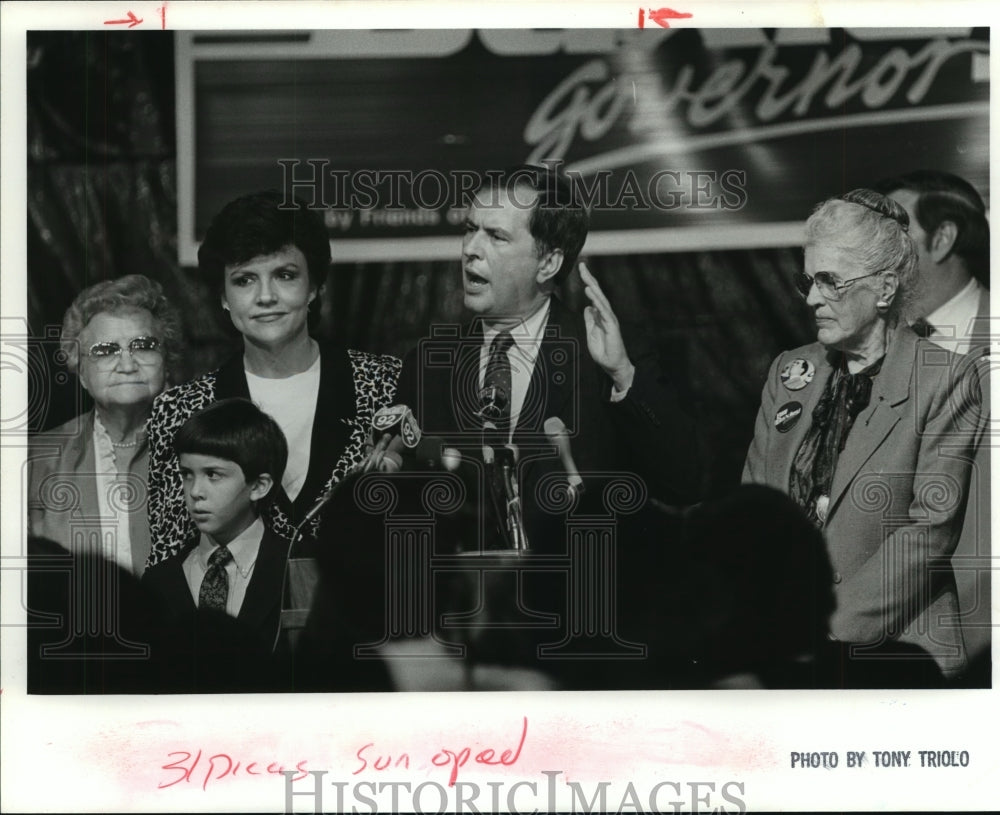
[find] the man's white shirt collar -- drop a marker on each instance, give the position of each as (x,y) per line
(527,334)
(957,313)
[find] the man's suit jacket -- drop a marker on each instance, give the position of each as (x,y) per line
(220,642)
(899,489)
(439,381)
(62,487)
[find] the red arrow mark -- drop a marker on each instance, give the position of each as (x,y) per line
(132,21)
(662,15)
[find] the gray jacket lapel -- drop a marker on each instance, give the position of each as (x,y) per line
(890,391)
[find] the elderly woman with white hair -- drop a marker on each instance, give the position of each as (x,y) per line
(872,431)
(88,477)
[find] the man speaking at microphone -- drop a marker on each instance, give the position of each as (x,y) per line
(525,395)
(520,363)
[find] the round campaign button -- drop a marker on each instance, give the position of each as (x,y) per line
(787,416)
(797,374)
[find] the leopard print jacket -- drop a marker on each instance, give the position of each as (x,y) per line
(170,524)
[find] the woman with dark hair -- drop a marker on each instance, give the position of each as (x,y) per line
(872,431)
(269,262)
(122,338)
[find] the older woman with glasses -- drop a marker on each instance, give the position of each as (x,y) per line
(88,477)
(872,431)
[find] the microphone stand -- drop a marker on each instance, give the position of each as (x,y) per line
(297,535)
(515,520)
(389,421)
(489,459)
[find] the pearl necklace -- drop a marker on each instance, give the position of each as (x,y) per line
(122,444)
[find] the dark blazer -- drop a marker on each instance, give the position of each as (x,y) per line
(646,433)
(353,386)
(218,643)
(62,488)
(899,490)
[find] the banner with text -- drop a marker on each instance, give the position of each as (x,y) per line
(679,139)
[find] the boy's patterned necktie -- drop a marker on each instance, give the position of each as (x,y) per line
(215,586)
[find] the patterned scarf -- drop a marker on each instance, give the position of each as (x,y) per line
(844,397)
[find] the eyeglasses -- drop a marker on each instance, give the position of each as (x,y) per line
(827,283)
(144,350)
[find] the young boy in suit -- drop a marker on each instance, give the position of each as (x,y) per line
(218,601)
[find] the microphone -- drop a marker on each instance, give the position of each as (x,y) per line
(491,435)
(316,508)
(430,454)
(451,458)
(394,423)
(493,403)
(397,420)
(400,431)
(392,461)
(558,437)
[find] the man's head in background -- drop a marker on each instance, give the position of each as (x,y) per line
(948,224)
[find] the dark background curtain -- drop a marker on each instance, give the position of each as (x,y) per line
(102,202)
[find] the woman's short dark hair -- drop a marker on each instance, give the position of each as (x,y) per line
(123,294)
(559,219)
(264,223)
(236,430)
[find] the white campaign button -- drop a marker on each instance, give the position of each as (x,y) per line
(797,374)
